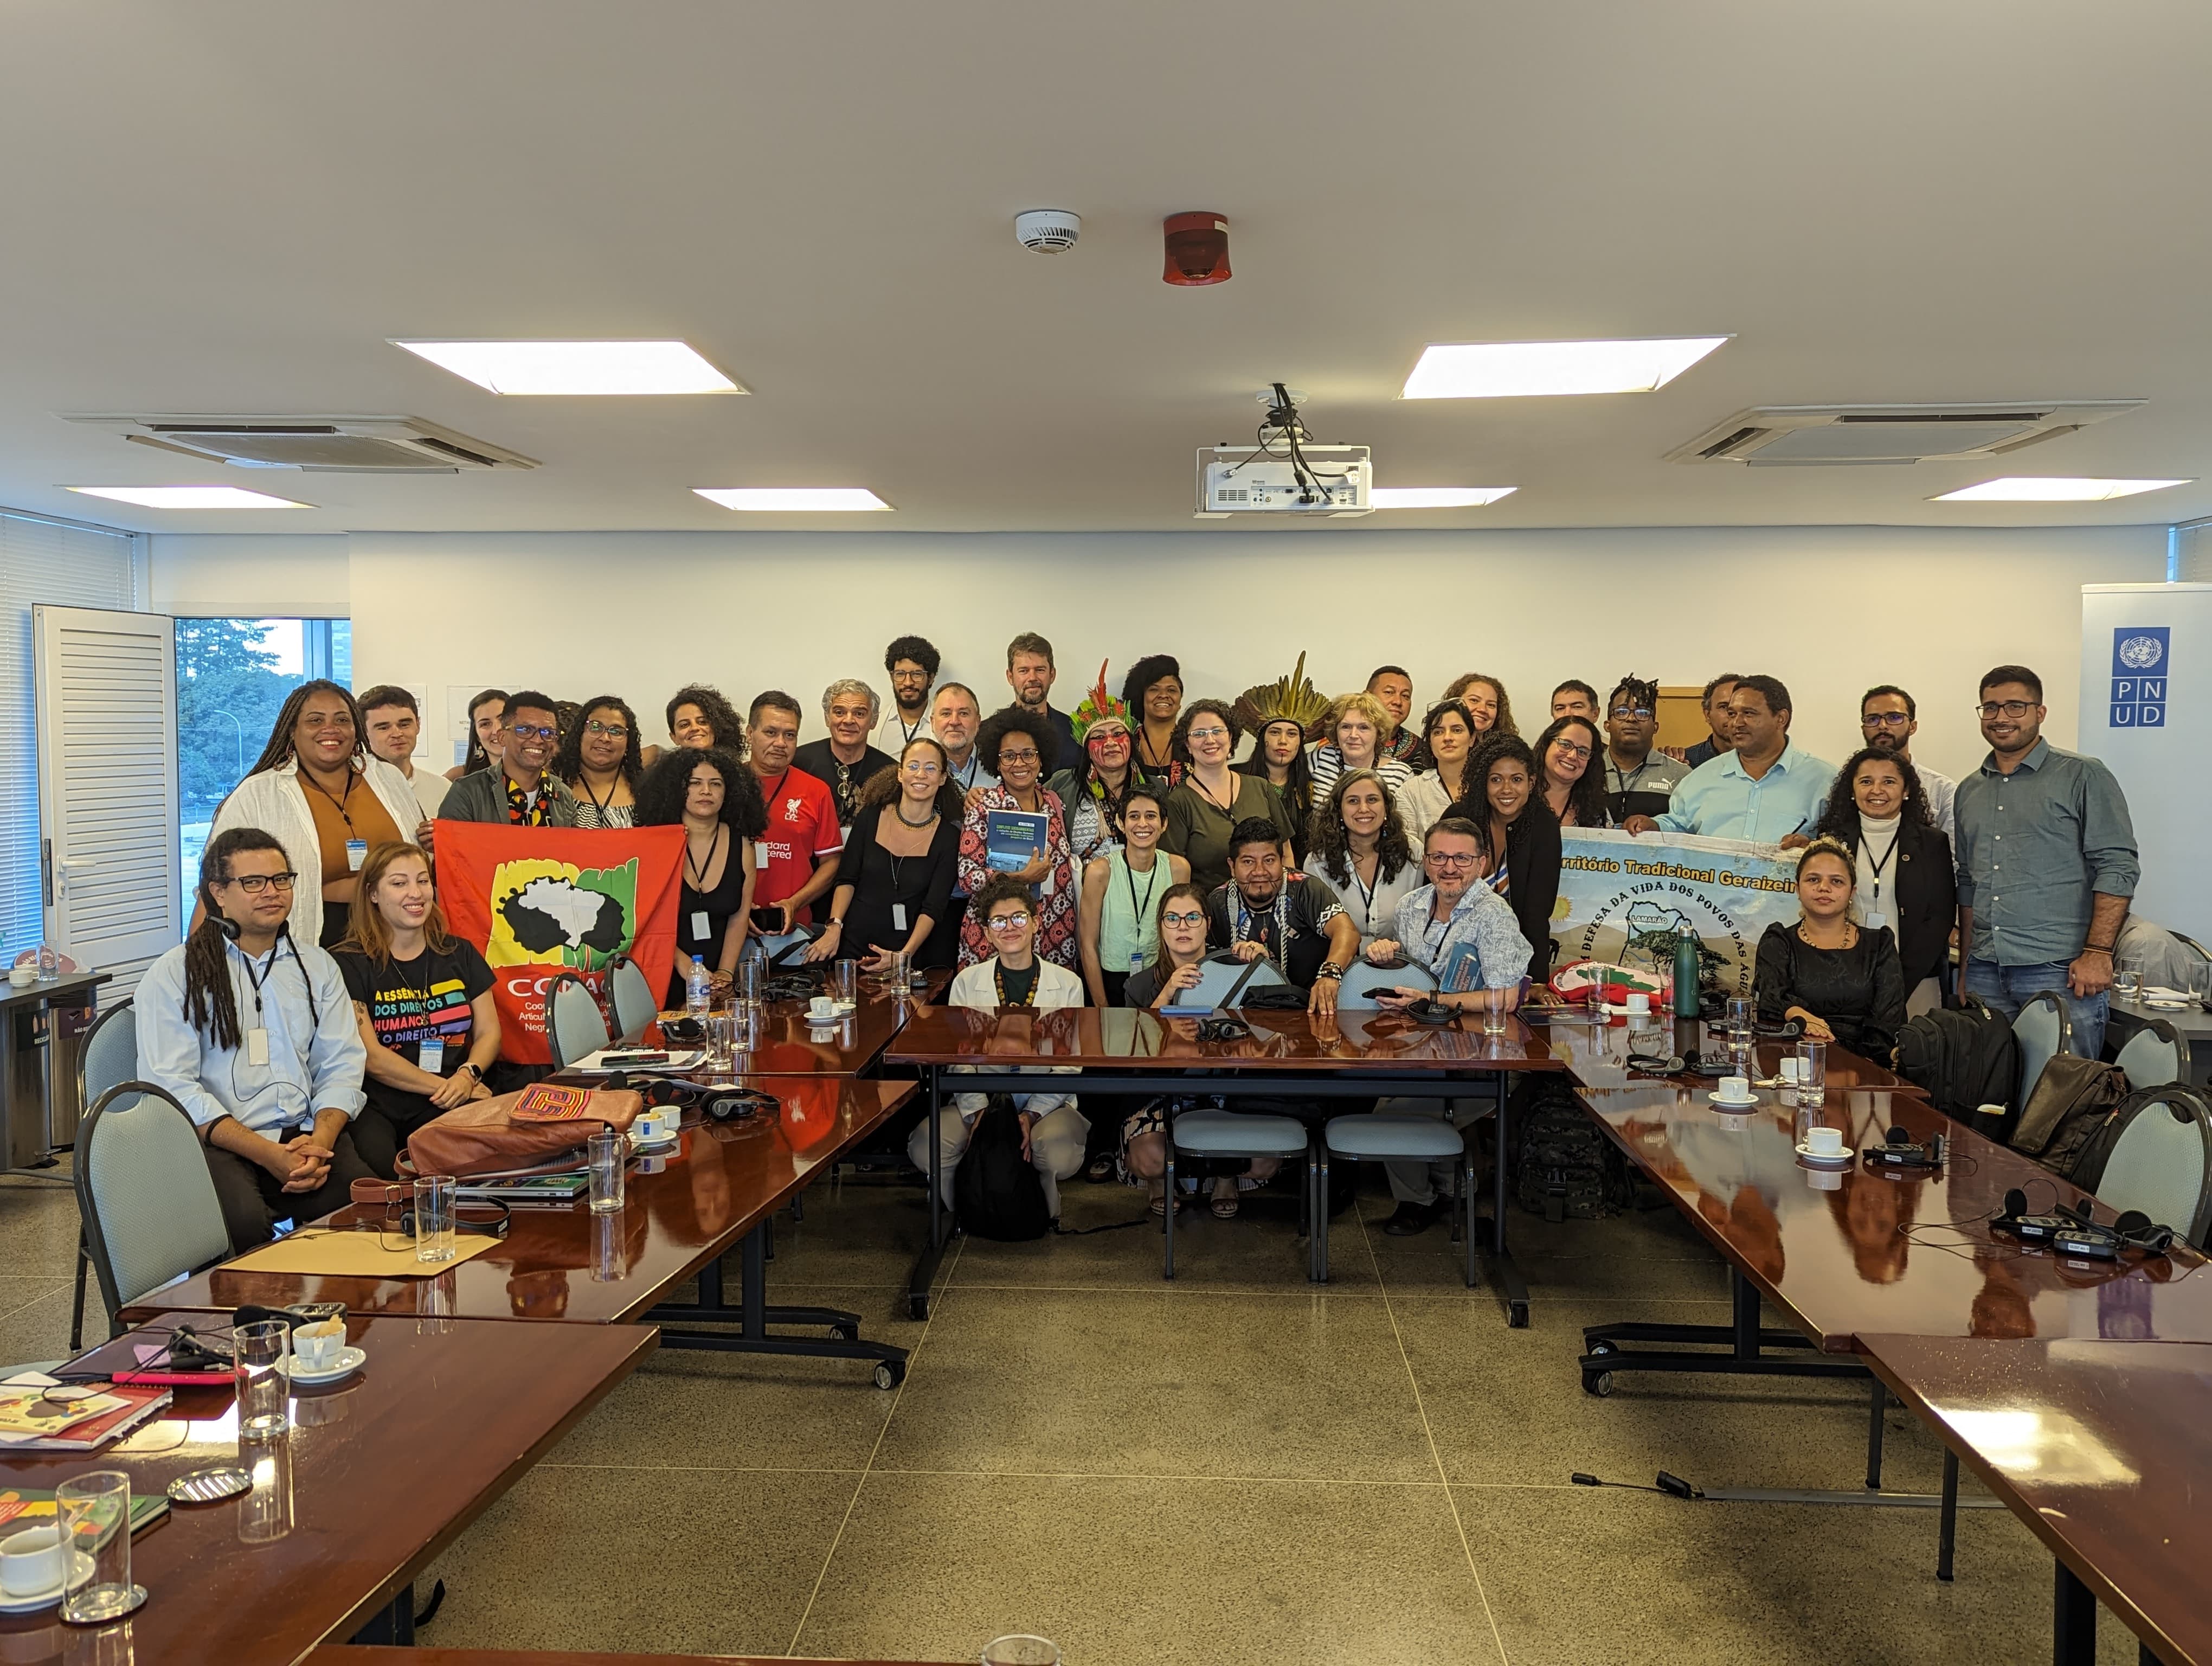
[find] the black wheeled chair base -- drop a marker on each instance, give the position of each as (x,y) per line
(681,1322)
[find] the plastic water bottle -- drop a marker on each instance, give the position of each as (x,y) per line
(49,963)
(1686,970)
(698,989)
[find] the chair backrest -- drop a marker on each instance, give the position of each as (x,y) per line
(2155,1056)
(1364,977)
(2042,1029)
(149,1208)
(2155,1155)
(108,1054)
(577,1026)
(630,993)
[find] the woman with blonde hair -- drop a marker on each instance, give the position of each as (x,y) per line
(1354,734)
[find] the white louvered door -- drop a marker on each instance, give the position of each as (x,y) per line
(107,785)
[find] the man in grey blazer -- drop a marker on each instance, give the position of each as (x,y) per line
(520,793)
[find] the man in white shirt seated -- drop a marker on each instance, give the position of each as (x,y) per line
(1054,1130)
(253,1033)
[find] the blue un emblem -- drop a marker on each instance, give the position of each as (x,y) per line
(2139,673)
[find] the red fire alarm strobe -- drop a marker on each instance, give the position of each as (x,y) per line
(1198,249)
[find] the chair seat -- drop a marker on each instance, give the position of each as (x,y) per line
(1380,1134)
(1232,1134)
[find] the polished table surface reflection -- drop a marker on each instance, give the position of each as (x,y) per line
(1598,1054)
(1829,1250)
(1101,1038)
(683,1209)
(336,1654)
(791,1043)
(384,1470)
(2101,1446)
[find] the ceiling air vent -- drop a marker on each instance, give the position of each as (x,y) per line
(1816,435)
(317,445)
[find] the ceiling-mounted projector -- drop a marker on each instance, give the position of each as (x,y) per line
(1282,471)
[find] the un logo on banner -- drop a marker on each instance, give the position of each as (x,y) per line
(2139,674)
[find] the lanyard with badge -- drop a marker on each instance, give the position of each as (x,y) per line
(357,847)
(1876,918)
(702,927)
(769,796)
(430,1050)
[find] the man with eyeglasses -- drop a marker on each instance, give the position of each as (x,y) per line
(1463,934)
(392,724)
(2046,865)
(1639,779)
(1293,921)
(843,760)
(911,663)
(1889,719)
(523,792)
(253,1032)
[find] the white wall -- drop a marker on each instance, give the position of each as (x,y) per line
(277,575)
(1830,611)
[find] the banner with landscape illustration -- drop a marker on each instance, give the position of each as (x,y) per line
(1625,899)
(542,900)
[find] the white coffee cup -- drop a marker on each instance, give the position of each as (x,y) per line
(31,1561)
(1638,1002)
(22,976)
(1737,1090)
(821,1009)
(1824,1141)
(1790,1069)
(317,1347)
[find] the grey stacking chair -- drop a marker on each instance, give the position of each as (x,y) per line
(630,993)
(575,1027)
(149,1208)
(1232,1134)
(2042,1030)
(2155,1155)
(1382,1136)
(109,1055)
(2155,1056)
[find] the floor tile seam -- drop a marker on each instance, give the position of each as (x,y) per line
(710,1468)
(938,1291)
(62,1288)
(1168,1288)
(1148,1475)
(1436,1456)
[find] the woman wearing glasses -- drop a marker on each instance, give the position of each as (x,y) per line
(1567,776)
(317,787)
(1213,798)
(895,880)
(1520,838)
(600,760)
(1447,736)
(1013,744)
(1120,930)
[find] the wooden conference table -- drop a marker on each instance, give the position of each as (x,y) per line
(376,1476)
(2100,1446)
(684,1210)
(1356,1055)
(340,1655)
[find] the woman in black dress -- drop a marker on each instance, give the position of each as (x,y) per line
(1844,982)
(717,802)
(902,854)
(1878,810)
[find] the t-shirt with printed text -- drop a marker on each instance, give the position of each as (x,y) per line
(802,829)
(413,1001)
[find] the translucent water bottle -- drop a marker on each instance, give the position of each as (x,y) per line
(49,963)
(698,989)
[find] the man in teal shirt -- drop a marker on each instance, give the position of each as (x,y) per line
(1765,791)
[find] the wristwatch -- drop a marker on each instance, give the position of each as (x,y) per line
(475,1070)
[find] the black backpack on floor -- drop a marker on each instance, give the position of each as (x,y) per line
(997,1193)
(1566,1165)
(1962,1058)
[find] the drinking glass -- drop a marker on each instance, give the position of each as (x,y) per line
(2127,977)
(1493,1012)
(902,971)
(1021,1651)
(96,1577)
(264,1514)
(605,1153)
(261,1352)
(844,978)
(1812,1073)
(721,1040)
(435,1234)
(749,983)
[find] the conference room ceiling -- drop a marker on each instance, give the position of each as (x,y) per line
(227,207)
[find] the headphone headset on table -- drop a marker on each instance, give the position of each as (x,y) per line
(491,1226)
(1223,1028)
(2074,1231)
(725,1105)
(1898,1150)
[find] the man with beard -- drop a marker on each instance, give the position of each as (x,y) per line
(1889,719)
(520,791)
(1292,919)
(911,663)
(956,718)
(1639,780)
(1029,674)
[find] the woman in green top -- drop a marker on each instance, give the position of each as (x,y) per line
(1119,928)
(1213,798)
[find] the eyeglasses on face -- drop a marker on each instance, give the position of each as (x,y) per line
(1571,749)
(1452,859)
(923,766)
(1895,719)
(608,731)
(1632,711)
(1007,922)
(1194,918)
(531,732)
(2008,708)
(1213,733)
(254,884)
(1027,755)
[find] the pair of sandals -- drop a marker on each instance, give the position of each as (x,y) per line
(1223,1205)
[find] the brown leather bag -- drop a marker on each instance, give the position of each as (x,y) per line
(482,1136)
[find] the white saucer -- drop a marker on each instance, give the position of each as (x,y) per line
(43,1599)
(350,1360)
(661,1144)
(1719,1104)
(1806,1154)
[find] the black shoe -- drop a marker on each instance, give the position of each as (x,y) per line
(1413,1218)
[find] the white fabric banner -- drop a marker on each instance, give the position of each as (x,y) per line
(1625,898)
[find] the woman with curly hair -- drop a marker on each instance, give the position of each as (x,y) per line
(600,760)
(1520,841)
(1014,744)
(1354,735)
(1361,847)
(1568,777)
(1153,693)
(716,801)
(1212,797)
(1878,810)
(1485,700)
(700,716)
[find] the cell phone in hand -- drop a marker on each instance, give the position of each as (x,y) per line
(768,918)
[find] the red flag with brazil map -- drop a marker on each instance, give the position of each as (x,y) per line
(540,900)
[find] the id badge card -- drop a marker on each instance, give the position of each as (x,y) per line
(1045,888)
(899,916)
(760,856)
(699,926)
(257,1047)
(356,854)
(430,1055)
(1875,920)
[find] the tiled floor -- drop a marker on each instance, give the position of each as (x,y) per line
(1235,1467)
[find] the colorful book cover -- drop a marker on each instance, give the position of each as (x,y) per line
(1012,839)
(33,1506)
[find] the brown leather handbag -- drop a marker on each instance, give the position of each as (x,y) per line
(490,1136)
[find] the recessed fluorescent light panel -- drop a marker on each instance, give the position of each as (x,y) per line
(1435,497)
(191,497)
(788,500)
(2052,489)
(576,368)
(1525,370)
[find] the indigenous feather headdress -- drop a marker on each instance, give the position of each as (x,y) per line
(1098,706)
(1291,699)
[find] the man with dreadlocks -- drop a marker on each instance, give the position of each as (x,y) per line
(252,1031)
(1639,780)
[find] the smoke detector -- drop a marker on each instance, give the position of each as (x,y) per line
(1048,231)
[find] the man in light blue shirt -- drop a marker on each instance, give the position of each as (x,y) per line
(253,1032)
(1766,790)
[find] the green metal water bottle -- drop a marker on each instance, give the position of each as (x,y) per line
(1685,973)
